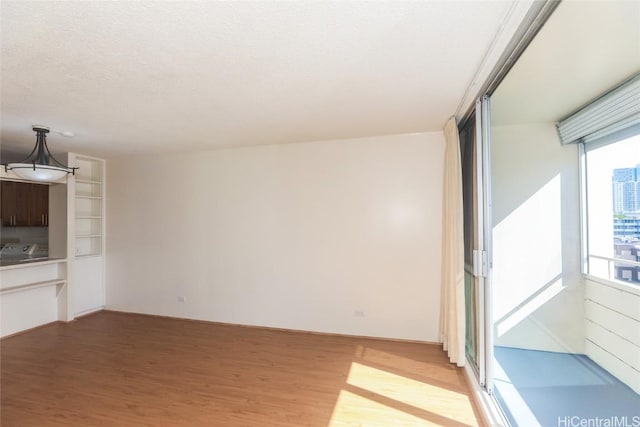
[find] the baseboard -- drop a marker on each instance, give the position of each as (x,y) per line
(89,312)
(271,328)
(78,316)
(24,331)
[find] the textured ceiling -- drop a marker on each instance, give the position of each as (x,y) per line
(584,49)
(132,77)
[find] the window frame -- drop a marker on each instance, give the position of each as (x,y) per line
(585,254)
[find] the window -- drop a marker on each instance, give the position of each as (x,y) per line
(612,184)
(608,131)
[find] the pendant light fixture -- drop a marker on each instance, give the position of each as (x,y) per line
(40,165)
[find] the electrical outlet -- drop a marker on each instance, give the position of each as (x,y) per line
(182,299)
(359,313)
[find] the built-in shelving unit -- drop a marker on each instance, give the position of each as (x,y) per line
(71,281)
(87,231)
(89,191)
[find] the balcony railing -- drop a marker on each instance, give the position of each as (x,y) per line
(614,268)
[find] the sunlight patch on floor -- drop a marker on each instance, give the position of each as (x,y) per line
(374,356)
(356,411)
(375,397)
(516,404)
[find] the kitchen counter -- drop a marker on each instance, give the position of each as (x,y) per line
(33,292)
(11,263)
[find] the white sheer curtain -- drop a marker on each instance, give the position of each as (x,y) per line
(452,310)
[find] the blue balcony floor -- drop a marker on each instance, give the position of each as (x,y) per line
(540,388)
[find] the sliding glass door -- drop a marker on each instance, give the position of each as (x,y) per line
(474,149)
(469,194)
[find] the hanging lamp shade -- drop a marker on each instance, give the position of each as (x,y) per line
(40,165)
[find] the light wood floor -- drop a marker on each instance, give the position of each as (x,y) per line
(118,369)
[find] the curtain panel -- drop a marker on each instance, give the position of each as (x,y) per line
(452,304)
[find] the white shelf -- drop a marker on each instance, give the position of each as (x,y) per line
(33,285)
(87,256)
(89,212)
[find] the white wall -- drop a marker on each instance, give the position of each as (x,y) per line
(612,323)
(537,284)
(334,236)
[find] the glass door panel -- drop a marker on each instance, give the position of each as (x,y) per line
(474,149)
(469,195)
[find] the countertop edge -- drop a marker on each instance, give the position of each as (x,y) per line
(26,264)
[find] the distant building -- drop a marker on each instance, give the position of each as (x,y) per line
(626,223)
(618,197)
(626,227)
(628,252)
(626,190)
(625,174)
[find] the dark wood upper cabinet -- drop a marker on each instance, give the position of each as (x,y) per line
(23,199)
(9,206)
(24,204)
(38,204)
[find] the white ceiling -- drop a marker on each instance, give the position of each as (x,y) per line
(584,49)
(132,77)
